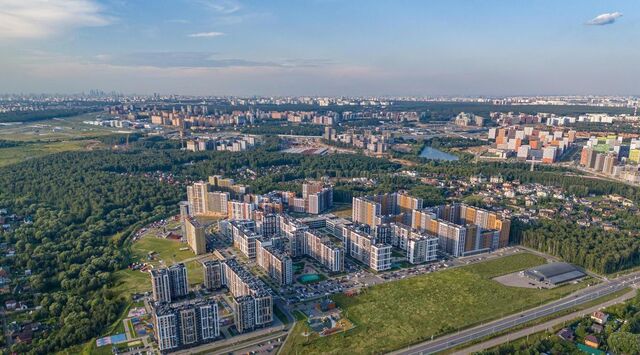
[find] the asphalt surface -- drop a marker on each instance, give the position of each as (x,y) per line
(502,324)
(493,342)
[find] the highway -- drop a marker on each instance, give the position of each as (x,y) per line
(502,324)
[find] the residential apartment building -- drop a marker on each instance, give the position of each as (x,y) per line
(463,229)
(293,231)
(244,237)
(195,235)
(229,185)
(365,248)
(169,283)
(184,325)
(201,202)
(197,198)
(420,246)
(317,197)
(323,250)
(275,262)
(375,209)
(160,285)
(253,304)
(217,202)
(237,210)
(212,274)
(465,214)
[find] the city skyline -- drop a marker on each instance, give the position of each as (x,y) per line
(321,47)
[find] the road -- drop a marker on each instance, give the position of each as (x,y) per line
(542,327)
(579,297)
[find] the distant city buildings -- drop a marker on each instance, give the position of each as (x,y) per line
(464,119)
(530,143)
(611,155)
(231,144)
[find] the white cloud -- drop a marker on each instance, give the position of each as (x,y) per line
(32,19)
(205,34)
(222,6)
(605,19)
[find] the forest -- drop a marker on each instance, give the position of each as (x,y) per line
(77,215)
(593,248)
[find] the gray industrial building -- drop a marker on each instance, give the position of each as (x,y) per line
(554,273)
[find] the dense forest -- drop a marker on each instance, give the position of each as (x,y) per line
(10,144)
(453,142)
(77,210)
(593,248)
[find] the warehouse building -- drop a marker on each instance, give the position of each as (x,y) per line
(554,273)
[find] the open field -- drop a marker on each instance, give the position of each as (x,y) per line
(168,253)
(55,129)
(37,149)
(50,136)
(397,314)
(342,210)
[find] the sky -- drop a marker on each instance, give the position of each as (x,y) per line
(321,47)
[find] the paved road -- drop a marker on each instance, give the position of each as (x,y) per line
(481,331)
(542,327)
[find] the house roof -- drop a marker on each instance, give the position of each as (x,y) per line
(592,339)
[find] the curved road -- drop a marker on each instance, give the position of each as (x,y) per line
(481,331)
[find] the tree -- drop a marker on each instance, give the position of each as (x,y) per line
(624,343)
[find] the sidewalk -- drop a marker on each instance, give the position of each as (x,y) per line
(541,327)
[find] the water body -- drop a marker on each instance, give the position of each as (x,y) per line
(435,154)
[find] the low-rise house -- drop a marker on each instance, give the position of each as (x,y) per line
(592,341)
(600,317)
(566,334)
(597,328)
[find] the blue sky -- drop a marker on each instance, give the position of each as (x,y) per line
(321,47)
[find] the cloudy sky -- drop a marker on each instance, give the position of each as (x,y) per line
(321,47)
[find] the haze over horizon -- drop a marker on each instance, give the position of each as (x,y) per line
(320,47)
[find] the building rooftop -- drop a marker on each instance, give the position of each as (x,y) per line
(556,272)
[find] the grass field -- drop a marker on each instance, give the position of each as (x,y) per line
(49,137)
(168,251)
(56,129)
(37,149)
(342,210)
(397,314)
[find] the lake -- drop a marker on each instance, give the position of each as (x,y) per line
(435,154)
